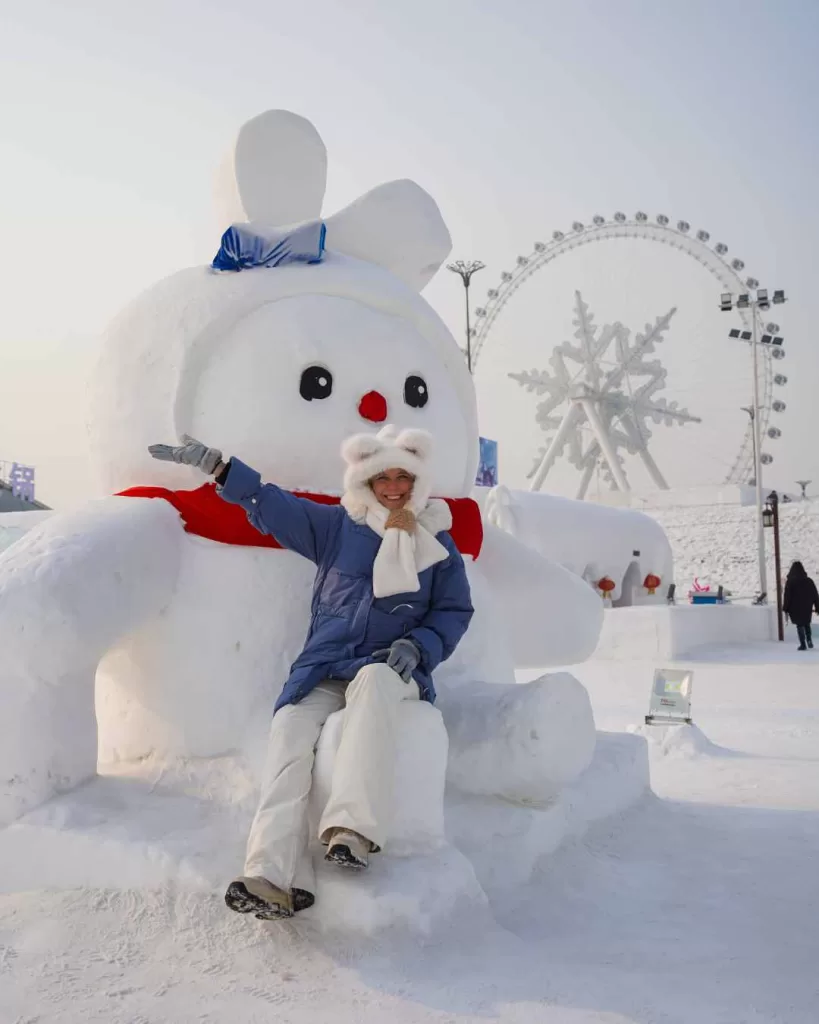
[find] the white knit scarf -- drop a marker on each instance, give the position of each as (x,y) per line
(402,555)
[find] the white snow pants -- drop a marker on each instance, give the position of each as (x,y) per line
(361,794)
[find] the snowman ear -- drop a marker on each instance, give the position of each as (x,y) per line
(359,448)
(275,173)
(396,225)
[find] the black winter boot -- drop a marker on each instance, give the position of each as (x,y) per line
(255,895)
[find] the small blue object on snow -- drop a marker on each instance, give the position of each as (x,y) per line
(251,245)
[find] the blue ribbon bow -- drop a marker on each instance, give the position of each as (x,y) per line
(250,245)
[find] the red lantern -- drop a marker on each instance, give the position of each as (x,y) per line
(651,582)
(606,585)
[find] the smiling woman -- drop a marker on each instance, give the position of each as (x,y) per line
(391,601)
(393,488)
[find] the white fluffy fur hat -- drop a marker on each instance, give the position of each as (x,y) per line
(367,455)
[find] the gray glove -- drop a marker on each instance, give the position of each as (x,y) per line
(191,453)
(402,657)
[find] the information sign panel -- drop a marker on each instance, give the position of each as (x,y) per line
(670,696)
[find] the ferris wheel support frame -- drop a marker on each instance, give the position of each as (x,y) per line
(663,232)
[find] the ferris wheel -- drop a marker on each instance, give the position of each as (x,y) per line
(605,379)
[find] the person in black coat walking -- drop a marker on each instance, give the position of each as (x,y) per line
(800,602)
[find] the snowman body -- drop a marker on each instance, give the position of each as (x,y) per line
(280,384)
(276,366)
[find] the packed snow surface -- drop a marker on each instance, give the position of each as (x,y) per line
(717,543)
(692,906)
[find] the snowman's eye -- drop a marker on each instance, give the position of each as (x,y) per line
(416,392)
(316,382)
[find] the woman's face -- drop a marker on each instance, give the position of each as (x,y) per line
(392,488)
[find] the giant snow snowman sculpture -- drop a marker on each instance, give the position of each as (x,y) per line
(189,639)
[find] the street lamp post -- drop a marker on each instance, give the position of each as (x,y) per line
(771,518)
(760,301)
(465,270)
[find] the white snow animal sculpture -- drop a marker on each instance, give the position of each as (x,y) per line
(594,541)
(188,639)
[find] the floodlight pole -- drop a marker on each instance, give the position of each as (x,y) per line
(750,410)
(760,301)
(760,526)
(465,272)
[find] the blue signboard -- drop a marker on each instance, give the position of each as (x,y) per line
(488,465)
(21,479)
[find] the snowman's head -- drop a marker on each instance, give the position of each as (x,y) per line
(279,365)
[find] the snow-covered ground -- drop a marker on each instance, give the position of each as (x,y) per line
(14,525)
(718,543)
(696,905)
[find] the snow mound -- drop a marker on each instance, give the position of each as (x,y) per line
(151,824)
(418,894)
(679,740)
(14,525)
(525,746)
(505,841)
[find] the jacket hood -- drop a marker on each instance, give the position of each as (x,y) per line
(367,455)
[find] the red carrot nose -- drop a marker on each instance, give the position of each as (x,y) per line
(373,407)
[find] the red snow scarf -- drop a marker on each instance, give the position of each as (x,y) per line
(205,514)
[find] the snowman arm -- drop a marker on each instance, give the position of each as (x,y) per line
(450,612)
(69,590)
(297,523)
(550,616)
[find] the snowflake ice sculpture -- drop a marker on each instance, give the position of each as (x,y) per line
(614,400)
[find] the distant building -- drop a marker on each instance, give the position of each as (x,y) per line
(9,502)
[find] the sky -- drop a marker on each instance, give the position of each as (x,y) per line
(518,118)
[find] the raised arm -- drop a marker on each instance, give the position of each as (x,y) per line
(302,525)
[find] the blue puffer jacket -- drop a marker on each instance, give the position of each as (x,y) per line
(348,624)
